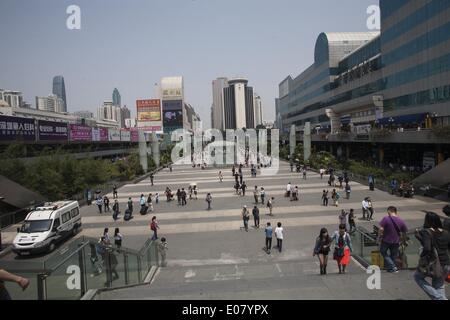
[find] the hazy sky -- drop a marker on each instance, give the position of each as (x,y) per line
(131,44)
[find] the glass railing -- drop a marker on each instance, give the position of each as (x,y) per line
(78,267)
(367,251)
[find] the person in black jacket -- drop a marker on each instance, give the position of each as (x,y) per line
(432,237)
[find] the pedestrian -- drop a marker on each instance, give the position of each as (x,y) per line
(191,191)
(351,221)
(256,195)
(99,204)
(334,197)
(162,248)
(142,203)
(241,177)
(269,233)
(183,197)
(220,176)
(343,216)
(105,236)
(348,190)
(341,180)
(270,205)
(245,217)
(391,235)
(321,171)
(304,173)
(157,198)
(279,236)
(116,210)
(255,213)
(292,166)
(243,188)
(149,199)
(115,192)
(233,170)
(263,195)
(325,198)
(118,238)
(295,194)
(337,196)
(342,248)
(154,226)
(170,167)
(322,249)
(89,197)
(195,192)
(371,180)
(5,276)
(178,197)
(371,210)
(288,190)
(237,187)
(436,243)
(365,208)
(209,200)
(152,178)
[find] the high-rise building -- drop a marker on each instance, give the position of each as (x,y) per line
(108,111)
(59,89)
(239,111)
(116,98)
(12,98)
(258,110)
(51,103)
(125,113)
(218,85)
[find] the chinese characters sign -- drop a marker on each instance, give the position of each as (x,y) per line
(14,128)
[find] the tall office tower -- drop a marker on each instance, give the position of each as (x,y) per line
(59,89)
(239,111)
(116,98)
(125,113)
(258,110)
(217,121)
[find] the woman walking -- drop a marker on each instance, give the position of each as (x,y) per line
(322,249)
(245,217)
(115,210)
(270,205)
(118,238)
(106,204)
(342,248)
(154,227)
(436,243)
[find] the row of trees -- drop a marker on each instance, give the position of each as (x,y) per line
(56,175)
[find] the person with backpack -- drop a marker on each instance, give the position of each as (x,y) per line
(391,234)
(342,248)
(209,200)
(245,217)
(279,235)
(115,210)
(269,233)
(434,261)
(322,249)
(118,238)
(154,227)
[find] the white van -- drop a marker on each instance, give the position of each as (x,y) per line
(44,227)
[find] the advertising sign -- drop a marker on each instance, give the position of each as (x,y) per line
(134,135)
(95,134)
(125,135)
(172,115)
(14,128)
(103,134)
(52,131)
(113,135)
(149,115)
(80,133)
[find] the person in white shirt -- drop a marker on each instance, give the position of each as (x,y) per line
(365,207)
(288,190)
(279,235)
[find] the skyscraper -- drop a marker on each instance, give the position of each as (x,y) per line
(59,89)
(239,111)
(258,110)
(116,98)
(217,121)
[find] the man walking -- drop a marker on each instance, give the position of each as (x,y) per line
(115,210)
(151,178)
(99,204)
(392,229)
(269,232)
(243,187)
(348,190)
(279,236)
(325,198)
(115,192)
(255,213)
(263,195)
(256,194)
(209,200)
(183,197)
(245,217)
(365,208)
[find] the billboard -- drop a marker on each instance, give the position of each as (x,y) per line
(103,134)
(149,110)
(14,128)
(80,133)
(52,131)
(113,135)
(172,115)
(149,115)
(134,135)
(125,135)
(95,134)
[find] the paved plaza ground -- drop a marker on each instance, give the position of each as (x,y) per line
(211,257)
